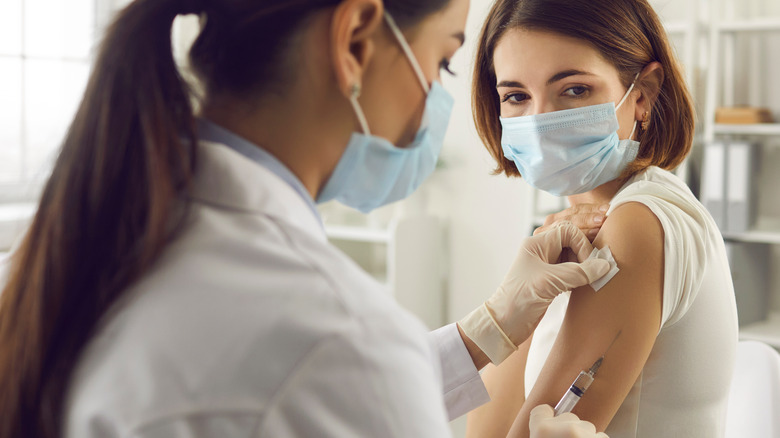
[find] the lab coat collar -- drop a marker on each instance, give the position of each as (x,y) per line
(212,132)
(227,179)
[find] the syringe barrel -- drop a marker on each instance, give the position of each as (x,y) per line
(583,381)
(574,393)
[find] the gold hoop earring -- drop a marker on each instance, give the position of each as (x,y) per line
(645,121)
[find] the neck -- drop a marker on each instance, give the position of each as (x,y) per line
(308,139)
(602,194)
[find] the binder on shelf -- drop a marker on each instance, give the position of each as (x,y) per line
(749,264)
(740,192)
(713,191)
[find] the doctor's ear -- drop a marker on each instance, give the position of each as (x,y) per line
(649,84)
(353,26)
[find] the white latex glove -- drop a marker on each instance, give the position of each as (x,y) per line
(508,317)
(543,424)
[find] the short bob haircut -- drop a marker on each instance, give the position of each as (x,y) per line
(627,33)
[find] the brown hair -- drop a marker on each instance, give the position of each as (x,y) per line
(116,191)
(628,33)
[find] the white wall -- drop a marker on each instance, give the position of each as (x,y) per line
(487,213)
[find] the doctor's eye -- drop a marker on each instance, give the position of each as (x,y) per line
(514,98)
(445,65)
(576,92)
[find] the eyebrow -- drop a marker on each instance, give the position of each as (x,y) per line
(555,78)
(460,36)
(565,74)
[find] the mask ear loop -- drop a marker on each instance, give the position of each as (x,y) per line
(625,96)
(407,51)
(633,130)
(353,99)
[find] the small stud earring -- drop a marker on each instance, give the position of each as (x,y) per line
(645,121)
(355,91)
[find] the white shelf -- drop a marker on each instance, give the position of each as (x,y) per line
(357,234)
(748,129)
(765,230)
(772,237)
(759,25)
(767,331)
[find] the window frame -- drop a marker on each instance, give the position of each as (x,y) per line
(27,188)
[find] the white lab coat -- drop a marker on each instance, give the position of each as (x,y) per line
(251,324)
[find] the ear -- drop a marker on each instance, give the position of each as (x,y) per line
(353,25)
(649,83)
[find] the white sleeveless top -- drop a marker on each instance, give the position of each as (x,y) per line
(683,388)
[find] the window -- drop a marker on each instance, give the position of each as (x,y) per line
(45,49)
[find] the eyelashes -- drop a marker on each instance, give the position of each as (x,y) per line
(445,65)
(578,91)
(511,95)
(574,92)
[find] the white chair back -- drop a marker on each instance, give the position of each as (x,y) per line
(754,401)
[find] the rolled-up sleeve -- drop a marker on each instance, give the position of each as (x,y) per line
(463,387)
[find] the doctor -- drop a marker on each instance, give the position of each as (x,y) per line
(176,280)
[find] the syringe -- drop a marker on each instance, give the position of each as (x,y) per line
(577,389)
(581,384)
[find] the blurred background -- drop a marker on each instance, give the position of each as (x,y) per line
(444,250)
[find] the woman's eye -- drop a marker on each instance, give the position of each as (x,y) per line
(578,91)
(445,65)
(514,98)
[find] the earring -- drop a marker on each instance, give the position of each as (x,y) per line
(645,121)
(355,91)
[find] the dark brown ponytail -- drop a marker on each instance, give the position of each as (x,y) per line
(104,216)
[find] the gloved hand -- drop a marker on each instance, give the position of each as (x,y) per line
(508,317)
(543,424)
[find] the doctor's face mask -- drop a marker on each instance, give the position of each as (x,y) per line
(373,172)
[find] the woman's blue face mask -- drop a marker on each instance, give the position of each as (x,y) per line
(372,171)
(571,151)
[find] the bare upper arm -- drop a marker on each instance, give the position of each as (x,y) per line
(631,303)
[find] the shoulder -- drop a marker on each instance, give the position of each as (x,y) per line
(633,232)
(669,199)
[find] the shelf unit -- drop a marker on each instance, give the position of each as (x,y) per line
(358,234)
(751,129)
(721,90)
(407,256)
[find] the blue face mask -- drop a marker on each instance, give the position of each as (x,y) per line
(372,171)
(571,151)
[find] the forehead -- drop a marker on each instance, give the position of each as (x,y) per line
(537,55)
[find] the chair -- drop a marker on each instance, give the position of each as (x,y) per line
(754,400)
